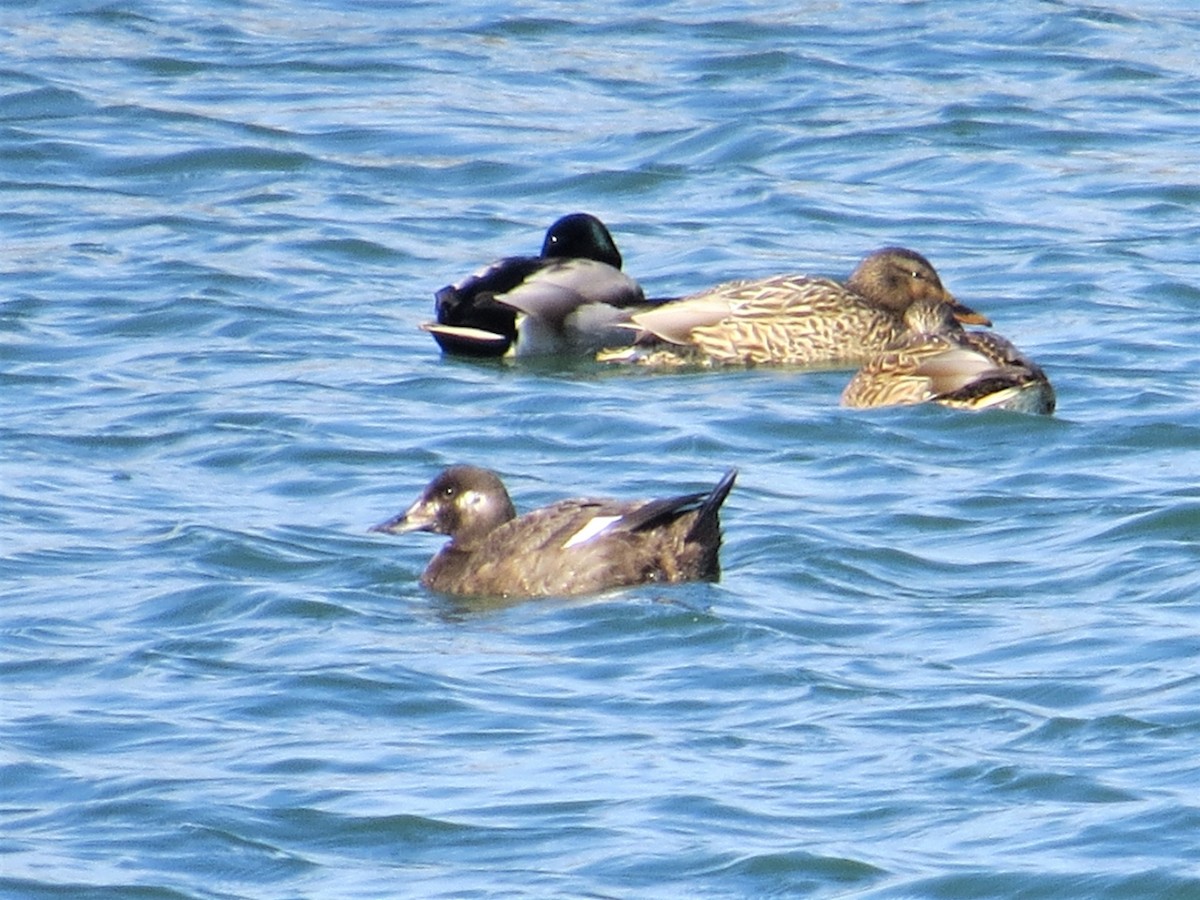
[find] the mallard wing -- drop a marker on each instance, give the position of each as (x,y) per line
(786,319)
(569,305)
(971,370)
(562,286)
(907,373)
(1014,382)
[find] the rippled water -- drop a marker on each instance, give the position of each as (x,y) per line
(951,655)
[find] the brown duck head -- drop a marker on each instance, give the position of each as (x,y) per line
(895,278)
(464,502)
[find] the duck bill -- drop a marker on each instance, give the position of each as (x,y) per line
(968,316)
(416,518)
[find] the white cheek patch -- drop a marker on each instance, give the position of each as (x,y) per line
(594,527)
(471,499)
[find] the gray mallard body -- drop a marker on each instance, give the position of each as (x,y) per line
(570,298)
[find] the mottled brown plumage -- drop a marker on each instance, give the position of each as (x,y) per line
(794,320)
(941,362)
(572,547)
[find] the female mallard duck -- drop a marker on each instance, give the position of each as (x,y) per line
(793,320)
(941,362)
(568,548)
(566,298)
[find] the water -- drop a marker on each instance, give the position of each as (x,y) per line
(951,655)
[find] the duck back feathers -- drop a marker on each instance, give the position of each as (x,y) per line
(573,547)
(941,362)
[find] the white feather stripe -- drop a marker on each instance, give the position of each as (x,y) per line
(594,527)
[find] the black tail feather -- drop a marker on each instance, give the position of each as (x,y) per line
(712,503)
(707,503)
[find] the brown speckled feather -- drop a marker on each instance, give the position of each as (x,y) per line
(794,320)
(948,365)
(800,322)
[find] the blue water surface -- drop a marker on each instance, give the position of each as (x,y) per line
(951,655)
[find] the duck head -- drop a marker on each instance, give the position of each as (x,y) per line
(895,278)
(464,502)
(581,236)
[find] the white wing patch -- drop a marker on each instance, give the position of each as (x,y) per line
(595,526)
(462,331)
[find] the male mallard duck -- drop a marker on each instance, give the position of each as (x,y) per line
(941,362)
(566,298)
(794,320)
(568,548)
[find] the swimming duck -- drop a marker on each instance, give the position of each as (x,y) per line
(571,547)
(941,362)
(794,320)
(566,298)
